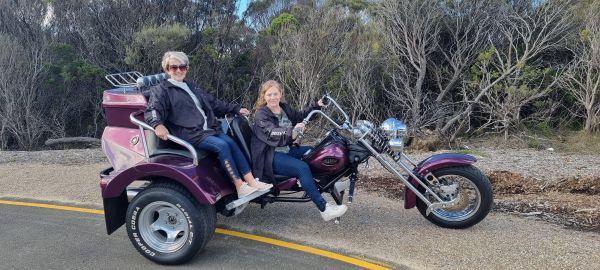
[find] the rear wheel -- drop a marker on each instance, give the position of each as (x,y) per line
(166,224)
(472,191)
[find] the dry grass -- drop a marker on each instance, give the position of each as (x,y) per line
(565,141)
(580,142)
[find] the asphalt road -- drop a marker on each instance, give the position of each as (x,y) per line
(37,238)
(374,227)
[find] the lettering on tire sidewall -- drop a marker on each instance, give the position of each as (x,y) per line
(141,244)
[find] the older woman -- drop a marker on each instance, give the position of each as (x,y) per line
(180,107)
(275,128)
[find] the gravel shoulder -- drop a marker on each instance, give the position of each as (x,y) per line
(375,226)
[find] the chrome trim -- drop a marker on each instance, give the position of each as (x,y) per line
(396,145)
(402,128)
(143,135)
(346,124)
(227,121)
(163,227)
(339,108)
(412,162)
(239,202)
(393,128)
(124,79)
(393,170)
(170,137)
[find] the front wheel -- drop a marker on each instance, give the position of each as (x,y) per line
(472,191)
(166,224)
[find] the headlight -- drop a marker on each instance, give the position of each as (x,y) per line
(362,127)
(393,128)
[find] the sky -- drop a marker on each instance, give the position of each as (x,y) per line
(243,6)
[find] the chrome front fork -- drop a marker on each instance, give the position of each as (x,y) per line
(430,205)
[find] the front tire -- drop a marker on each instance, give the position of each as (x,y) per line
(474,191)
(166,224)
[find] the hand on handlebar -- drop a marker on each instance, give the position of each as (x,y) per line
(297,133)
(244,112)
(300,127)
(324,102)
(161,131)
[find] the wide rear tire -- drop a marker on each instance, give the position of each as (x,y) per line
(166,224)
(476,198)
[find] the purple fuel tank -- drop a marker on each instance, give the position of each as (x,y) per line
(328,160)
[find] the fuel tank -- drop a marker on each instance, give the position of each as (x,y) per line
(329,157)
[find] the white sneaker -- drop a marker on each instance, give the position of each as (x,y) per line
(262,186)
(245,190)
(333,210)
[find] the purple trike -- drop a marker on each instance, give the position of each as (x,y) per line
(167,193)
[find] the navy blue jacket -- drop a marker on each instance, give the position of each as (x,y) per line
(173,107)
(267,135)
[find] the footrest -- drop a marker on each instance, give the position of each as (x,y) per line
(238,202)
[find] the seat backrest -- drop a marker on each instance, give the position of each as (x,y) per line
(242,133)
(157,147)
(144,83)
(150,80)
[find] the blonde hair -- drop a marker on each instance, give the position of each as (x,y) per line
(261,101)
(181,56)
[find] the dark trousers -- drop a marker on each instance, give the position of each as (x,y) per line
(290,165)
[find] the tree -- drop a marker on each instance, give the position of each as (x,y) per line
(359,74)
(24,47)
(582,76)
(260,13)
(464,32)
(72,90)
(151,43)
(23,122)
(523,32)
(308,54)
(410,30)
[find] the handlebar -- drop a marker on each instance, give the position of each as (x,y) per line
(326,100)
(143,125)
(344,125)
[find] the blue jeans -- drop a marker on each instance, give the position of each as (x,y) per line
(231,157)
(290,165)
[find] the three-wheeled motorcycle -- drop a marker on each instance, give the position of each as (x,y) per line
(167,193)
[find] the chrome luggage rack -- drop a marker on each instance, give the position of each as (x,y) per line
(124,79)
(134,79)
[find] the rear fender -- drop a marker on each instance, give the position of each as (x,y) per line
(203,182)
(183,176)
(431,164)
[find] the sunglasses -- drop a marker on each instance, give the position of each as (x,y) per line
(175,67)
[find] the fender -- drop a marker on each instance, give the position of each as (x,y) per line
(115,186)
(431,164)
(203,182)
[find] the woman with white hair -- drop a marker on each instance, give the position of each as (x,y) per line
(180,107)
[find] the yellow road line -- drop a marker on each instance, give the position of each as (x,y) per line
(306,249)
(51,206)
(262,239)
